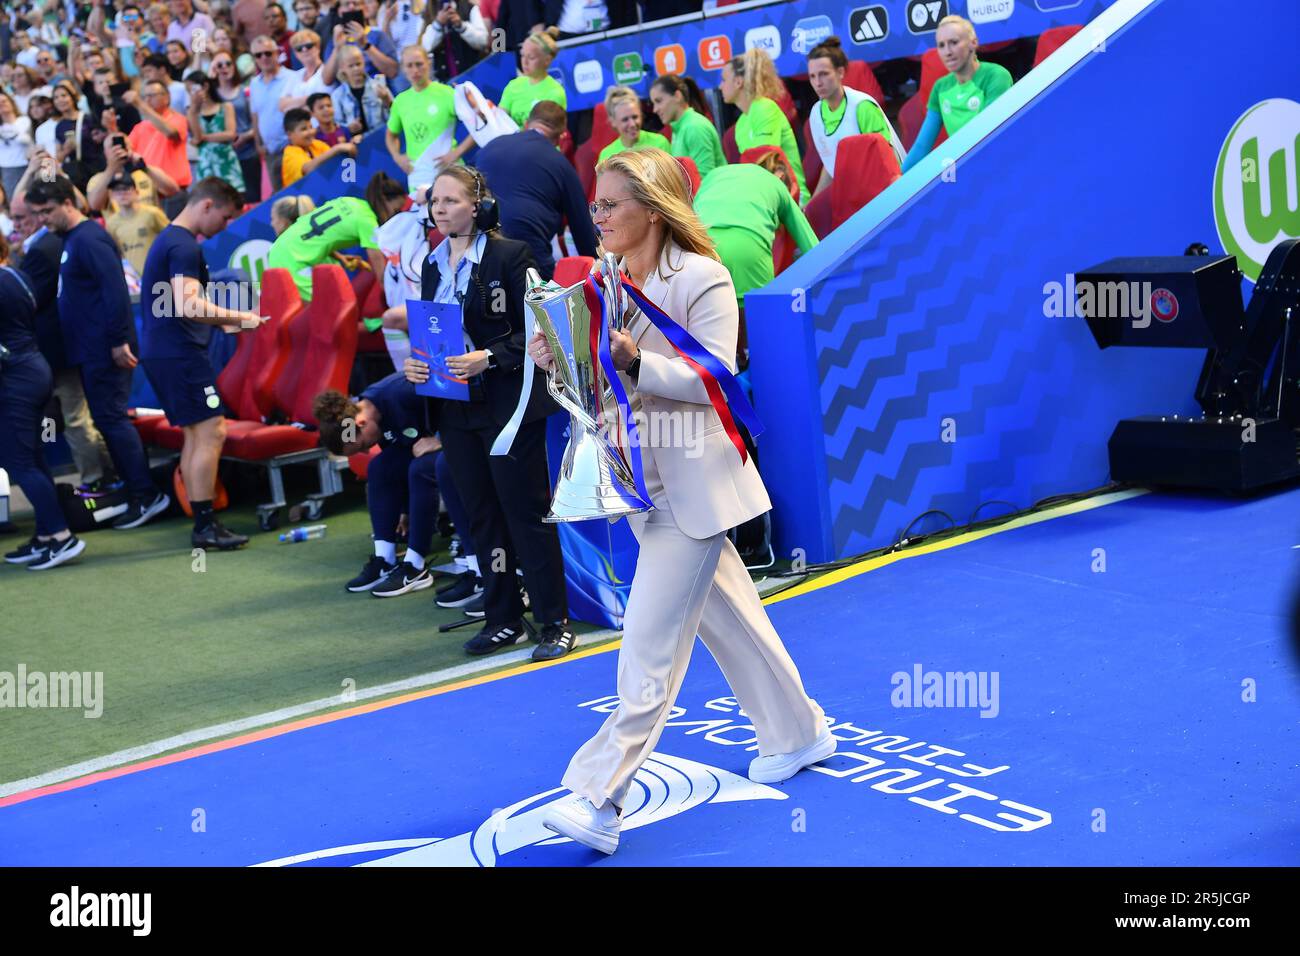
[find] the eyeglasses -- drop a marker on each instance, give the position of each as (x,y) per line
(605,207)
(304,46)
(266,53)
(220,64)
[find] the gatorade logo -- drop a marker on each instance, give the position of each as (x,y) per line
(714,52)
(670,59)
(1257,183)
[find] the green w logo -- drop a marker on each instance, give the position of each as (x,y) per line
(1257,183)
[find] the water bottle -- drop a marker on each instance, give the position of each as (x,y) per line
(306,533)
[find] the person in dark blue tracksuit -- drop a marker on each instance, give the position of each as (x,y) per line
(99,334)
(401,480)
(25,386)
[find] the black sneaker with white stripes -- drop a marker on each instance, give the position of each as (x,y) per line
(556,640)
(57,552)
(140,512)
(403,579)
(494,638)
(29,552)
(376,570)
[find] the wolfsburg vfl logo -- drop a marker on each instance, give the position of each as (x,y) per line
(664,787)
(1257,183)
(251,256)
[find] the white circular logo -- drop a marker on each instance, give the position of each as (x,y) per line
(213,401)
(251,256)
(433,109)
(1257,183)
(973,104)
(410,433)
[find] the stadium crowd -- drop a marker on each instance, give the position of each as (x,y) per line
(128,132)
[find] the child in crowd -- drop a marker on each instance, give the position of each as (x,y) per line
(305,152)
(328,131)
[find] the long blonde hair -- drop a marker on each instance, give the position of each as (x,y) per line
(757,74)
(658,183)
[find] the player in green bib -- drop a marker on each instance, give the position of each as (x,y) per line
(340,223)
(524,92)
(425,116)
(750,83)
(679,104)
(969,87)
(623,107)
(743,205)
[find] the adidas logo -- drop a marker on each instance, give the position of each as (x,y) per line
(869,24)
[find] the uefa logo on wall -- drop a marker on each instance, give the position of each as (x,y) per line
(1257,183)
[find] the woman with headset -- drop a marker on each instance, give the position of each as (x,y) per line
(506,495)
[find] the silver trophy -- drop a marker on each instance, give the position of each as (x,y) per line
(596,479)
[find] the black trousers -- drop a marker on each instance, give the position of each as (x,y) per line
(506,497)
(25,384)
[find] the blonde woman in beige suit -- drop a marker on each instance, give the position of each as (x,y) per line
(689,578)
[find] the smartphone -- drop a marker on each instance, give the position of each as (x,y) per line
(353,16)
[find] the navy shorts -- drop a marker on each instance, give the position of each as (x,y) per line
(186,387)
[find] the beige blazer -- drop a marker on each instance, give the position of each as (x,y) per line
(708,489)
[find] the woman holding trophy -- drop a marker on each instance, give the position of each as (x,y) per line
(689,578)
(506,496)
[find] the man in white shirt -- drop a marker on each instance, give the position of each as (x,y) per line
(186,23)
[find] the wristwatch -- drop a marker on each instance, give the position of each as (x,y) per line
(491,359)
(634,369)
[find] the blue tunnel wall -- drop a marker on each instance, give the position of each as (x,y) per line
(908,363)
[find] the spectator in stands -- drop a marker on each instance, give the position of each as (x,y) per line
(456,38)
(403,21)
(15,143)
(750,83)
(506,496)
(40,252)
(361,103)
(425,118)
(99,332)
(135,225)
(159,21)
(305,152)
(311,17)
(286,210)
(160,139)
(277,23)
(178,317)
(48,69)
(969,87)
(328,131)
(230,90)
(679,104)
(264,91)
(311,78)
(157,67)
(128,27)
(841,111)
(524,92)
(381,56)
(39,110)
(152,182)
(25,387)
(27,84)
(536,187)
(401,481)
(104,94)
(340,223)
(186,24)
(71,134)
(179,61)
(212,129)
(224,42)
(249,18)
(578,17)
(743,205)
(623,107)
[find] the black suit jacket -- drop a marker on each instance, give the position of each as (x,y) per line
(41,265)
(493,316)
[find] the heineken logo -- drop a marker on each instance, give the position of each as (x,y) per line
(1257,183)
(628,68)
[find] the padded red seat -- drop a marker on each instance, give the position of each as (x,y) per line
(257,442)
(369,293)
(1049,41)
(818,212)
(729,147)
(812,160)
(146,425)
(869,166)
(859,76)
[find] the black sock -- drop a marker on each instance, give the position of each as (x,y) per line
(202,514)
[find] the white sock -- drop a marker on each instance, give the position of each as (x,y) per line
(399,346)
(472,561)
(414,559)
(386,550)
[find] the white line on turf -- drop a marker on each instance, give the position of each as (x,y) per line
(232,728)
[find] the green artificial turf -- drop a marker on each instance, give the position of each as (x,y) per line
(180,649)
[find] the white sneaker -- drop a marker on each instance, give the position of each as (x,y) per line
(578,819)
(780,767)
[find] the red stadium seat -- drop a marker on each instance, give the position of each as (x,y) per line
(360,462)
(818,212)
(729,147)
(572,269)
(867,165)
(932,69)
(566,145)
(584,161)
(1052,40)
(369,294)
(812,160)
(859,76)
(752,155)
(692,173)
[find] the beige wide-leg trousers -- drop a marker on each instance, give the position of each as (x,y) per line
(684,586)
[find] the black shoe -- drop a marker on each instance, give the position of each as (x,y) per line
(461,591)
(475,607)
(216,535)
(28,553)
(556,641)
(100,486)
(57,552)
(138,512)
(403,579)
(376,570)
(494,638)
